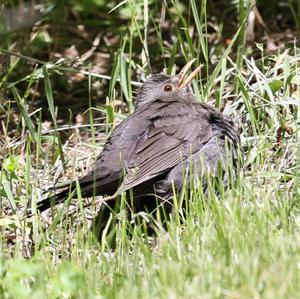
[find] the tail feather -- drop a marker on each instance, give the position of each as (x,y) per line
(62,196)
(54,200)
(88,188)
(70,184)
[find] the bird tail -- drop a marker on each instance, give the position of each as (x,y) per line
(89,187)
(65,191)
(55,199)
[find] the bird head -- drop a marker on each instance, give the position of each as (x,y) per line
(161,86)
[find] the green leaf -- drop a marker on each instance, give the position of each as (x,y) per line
(8,192)
(24,112)
(110,113)
(11,163)
(275,85)
(50,101)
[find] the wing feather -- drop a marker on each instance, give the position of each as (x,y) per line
(164,145)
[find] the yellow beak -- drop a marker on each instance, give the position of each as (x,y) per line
(185,81)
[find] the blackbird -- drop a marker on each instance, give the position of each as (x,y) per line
(153,150)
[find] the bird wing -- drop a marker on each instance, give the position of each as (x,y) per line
(173,135)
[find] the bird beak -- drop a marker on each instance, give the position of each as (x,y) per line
(185,81)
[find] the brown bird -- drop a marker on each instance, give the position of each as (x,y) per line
(153,150)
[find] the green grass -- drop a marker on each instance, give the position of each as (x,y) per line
(245,243)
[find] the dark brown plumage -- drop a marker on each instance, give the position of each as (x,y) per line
(151,151)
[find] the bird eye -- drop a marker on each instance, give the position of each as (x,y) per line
(168,87)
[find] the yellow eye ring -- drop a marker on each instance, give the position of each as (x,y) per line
(168,87)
